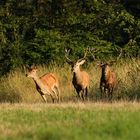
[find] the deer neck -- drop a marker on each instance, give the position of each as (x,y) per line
(106,73)
(77,74)
(38,82)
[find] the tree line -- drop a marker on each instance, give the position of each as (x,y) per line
(38,31)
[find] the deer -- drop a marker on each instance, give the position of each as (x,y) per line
(80,78)
(48,84)
(108,80)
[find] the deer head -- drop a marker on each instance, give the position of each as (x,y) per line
(75,64)
(31,71)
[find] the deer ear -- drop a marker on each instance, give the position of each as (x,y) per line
(34,67)
(82,62)
(26,67)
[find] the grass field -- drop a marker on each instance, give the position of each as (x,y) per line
(70,121)
(24,115)
(16,87)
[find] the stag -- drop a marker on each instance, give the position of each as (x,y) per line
(108,78)
(107,81)
(80,78)
(47,84)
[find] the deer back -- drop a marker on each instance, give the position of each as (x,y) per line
(49,80)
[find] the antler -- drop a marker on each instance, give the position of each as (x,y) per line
(67,51)
(85,54)
(121,52)
(92,52)
(25,66)
(119,56)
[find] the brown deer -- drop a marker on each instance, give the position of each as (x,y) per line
(46,84)
(108,78)
(80,79)
(107,81)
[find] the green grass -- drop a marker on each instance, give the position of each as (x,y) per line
(80,121)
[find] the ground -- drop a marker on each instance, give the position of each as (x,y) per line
(66,121)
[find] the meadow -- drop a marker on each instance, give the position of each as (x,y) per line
(24,115)
(66,121)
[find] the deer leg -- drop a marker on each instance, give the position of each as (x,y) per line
(86,93)
(54,93)
(83,94)
(78,93)
(102,91)
(110,96)
(52,97)
(110,92)
(44,98)
(105,92)
(57,91)
(58,94)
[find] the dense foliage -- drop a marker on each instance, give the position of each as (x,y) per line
(37,31)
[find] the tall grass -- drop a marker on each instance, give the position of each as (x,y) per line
(15,87)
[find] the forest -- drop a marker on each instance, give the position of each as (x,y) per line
(38,31)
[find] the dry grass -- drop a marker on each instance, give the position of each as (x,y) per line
(15,87)
(121,105)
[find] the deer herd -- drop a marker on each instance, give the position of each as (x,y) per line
(48,84)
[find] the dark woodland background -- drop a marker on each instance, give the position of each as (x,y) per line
(38,31)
